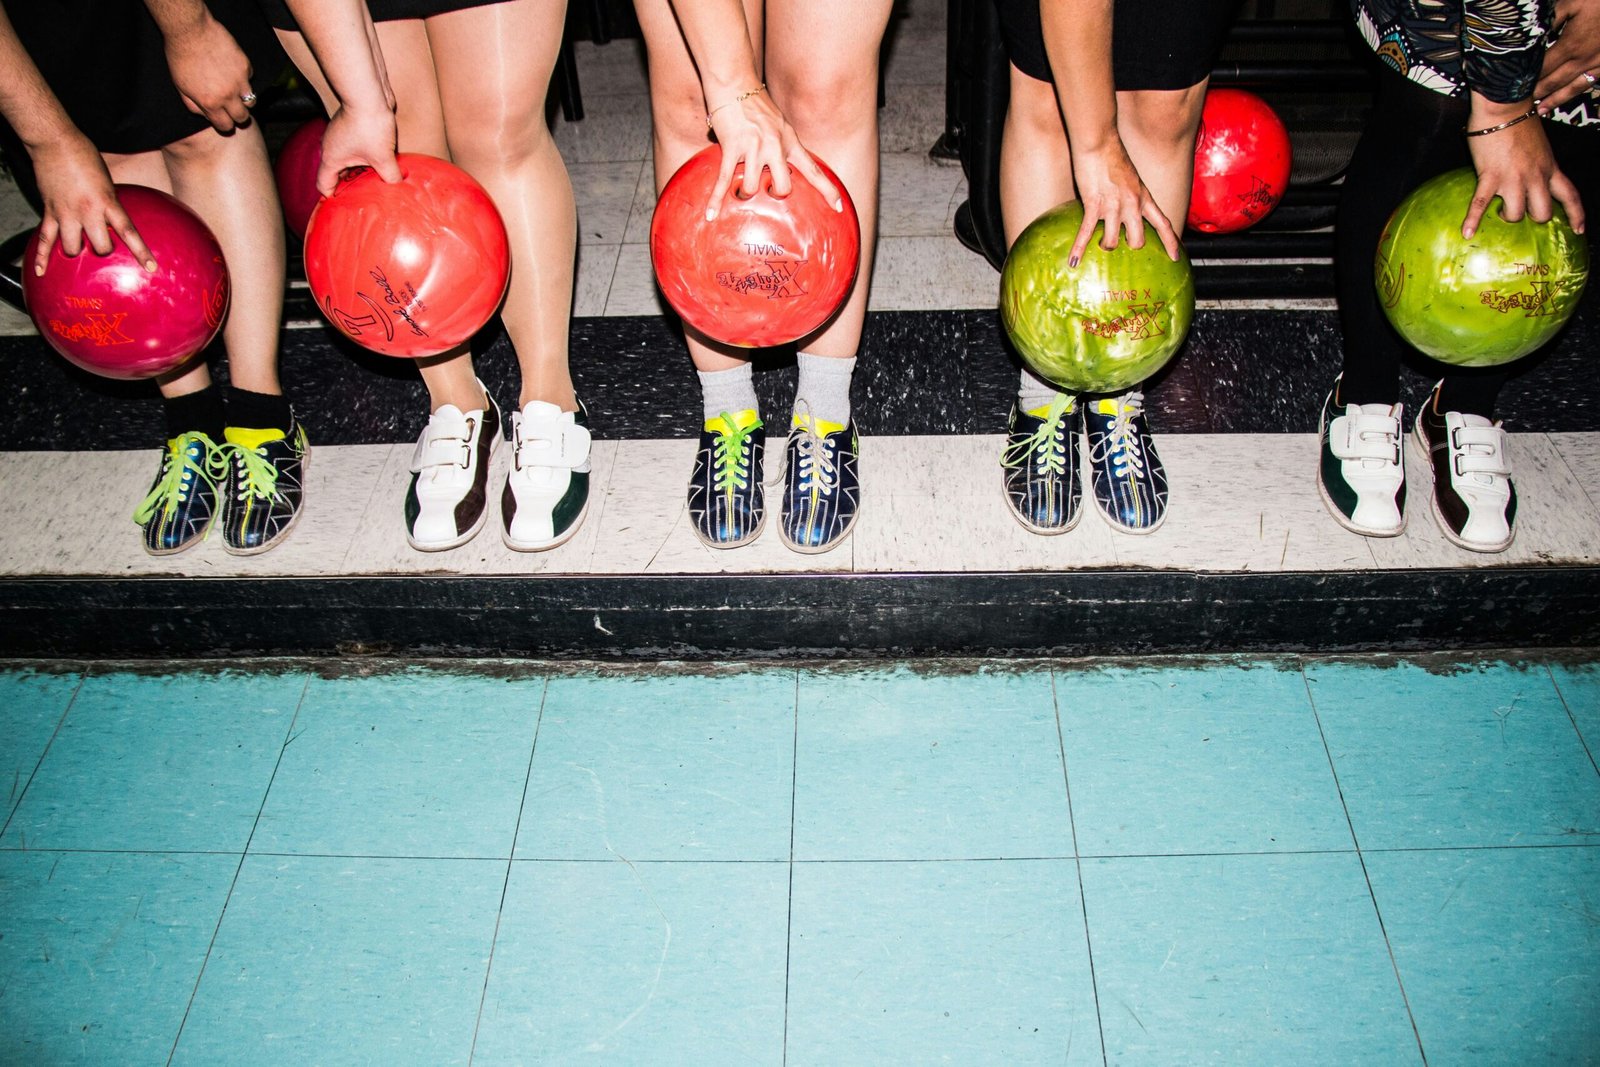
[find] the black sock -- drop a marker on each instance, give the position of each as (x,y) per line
(200,411)
(258,411)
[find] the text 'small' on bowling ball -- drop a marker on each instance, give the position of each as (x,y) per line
(766,271)
(1103,326)
(295,172)
(1480,301)
(412,268)
(110,316)
(1242,159)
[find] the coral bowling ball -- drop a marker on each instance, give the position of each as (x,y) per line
(1103,326)
(1483,301)
(766,271)
(110,316)
(295,171)
(1241,162)
(412,268)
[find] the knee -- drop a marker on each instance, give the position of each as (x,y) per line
(1032,111)
(491,139)
(199,147)
(1164,121)
(678,117)
(827,104)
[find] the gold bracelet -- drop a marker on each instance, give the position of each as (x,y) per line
(1530,113)
(741,98)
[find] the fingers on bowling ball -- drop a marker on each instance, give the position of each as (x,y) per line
(411,268)
(766,271)
(110,314)
(1242,162)
(1483,300)
(1103,326)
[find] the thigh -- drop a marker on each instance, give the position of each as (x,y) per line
(493,66)
(419,114)
(822,44)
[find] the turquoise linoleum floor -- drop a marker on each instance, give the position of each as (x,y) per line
(1235,862)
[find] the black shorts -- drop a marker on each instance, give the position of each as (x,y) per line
(382,10)
(106,62)
(1155,44)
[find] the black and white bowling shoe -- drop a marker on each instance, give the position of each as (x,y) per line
(447,501)
(1474,502)
(1361,475)
(547,488)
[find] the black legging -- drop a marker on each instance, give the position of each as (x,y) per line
(1415,133)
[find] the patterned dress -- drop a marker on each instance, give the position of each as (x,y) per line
(1494,47)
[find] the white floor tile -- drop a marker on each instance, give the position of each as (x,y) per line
(931,274)
(643,208)
(597,265)
(633,286)
(912,117)
(616,68)
(1581,453)
(604,192)
(615,129)
(917,196)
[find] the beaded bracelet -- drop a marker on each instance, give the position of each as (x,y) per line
(741,98)
(1530,113)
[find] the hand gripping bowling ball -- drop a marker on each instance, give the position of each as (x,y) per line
(110,316)
(296,173)
(766,271)
(1483,301)
(409,269)
(1103,326)
(1241,162)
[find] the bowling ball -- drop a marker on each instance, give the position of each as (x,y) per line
(296,172)
(112,317)
(1479,301)
(412,268)
(1241,162)
(766,271)
(1103,326)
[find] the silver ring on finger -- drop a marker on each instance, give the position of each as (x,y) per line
(249,99)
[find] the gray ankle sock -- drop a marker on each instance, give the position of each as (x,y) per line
(1034,392)
(824,387)
(731,391)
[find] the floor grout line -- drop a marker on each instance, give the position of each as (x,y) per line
(61,720)
(788,930)
(1571,717)
(505,885)
(216,931)
(1366,875)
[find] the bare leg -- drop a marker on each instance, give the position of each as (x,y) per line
(227,180)
(1035,166)
(822,71)
(150,170)
(1158,129)
(494,65)
(677,110)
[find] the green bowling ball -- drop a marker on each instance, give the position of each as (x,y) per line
(1103,326)
(1479,302)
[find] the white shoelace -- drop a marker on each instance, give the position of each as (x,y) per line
(1121,445)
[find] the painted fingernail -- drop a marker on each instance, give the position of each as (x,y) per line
(838,205)
(711,213)
(1073,262)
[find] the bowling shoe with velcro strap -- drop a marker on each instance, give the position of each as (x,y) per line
(447,501)
(1361,476)
(1040,465)
(547,488)
(1474,501)
(821,484)
(1129,482)
(266,477)
(182,502)
(727,499)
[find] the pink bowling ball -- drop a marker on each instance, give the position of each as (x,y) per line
(296,174)
(110,316)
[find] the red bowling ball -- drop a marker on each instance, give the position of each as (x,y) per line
(110,316)
(1241,162)
(766,271)
(412,268)
(296,174)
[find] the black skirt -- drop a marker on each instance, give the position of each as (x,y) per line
(106,62)
(382,10)
(1155,44)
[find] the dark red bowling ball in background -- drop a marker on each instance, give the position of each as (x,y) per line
(112,317)
(766,271)
(296,172)
(1241,162)
(412,268)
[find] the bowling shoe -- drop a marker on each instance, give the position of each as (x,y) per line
(547,488)
(1130,485)
(727,500)
(1040,465)
(1361,476)
(262,496)
(821,484)
(182,502)
(1474,501)
(447,501)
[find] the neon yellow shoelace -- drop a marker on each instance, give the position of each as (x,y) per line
(173,488)
(1046,440)
(729,455)
(260,476)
